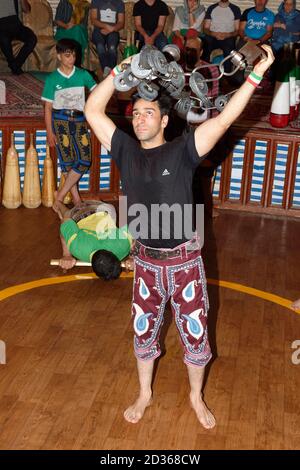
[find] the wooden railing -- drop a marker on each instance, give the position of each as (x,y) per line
(266,176)
(34,125)
(261,174)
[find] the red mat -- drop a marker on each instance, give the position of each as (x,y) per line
(23,96)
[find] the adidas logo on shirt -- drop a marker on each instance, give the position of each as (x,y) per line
(165,172)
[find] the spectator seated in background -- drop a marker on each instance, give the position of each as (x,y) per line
(192,57)
(72,21)
(221,27)
(150,18)
(107,17)
(11,28)
(286,25)
(188,16)
(256,23)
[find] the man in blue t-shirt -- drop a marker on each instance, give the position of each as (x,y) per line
(256,23)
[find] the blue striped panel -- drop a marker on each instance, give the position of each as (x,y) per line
(279,174)
(19,140)
(105,169)
(84,182)
(217,180)
(296,195)
(258,173)
(237,169)
(40,145)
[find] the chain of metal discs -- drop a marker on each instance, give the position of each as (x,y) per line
(151,69)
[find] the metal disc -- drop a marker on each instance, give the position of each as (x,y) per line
(130,79)
(158,61)
(119,83)
(144,56)
(173,50)
(198,84)
(220,102)
(138,71)
(147,91)
(177,77)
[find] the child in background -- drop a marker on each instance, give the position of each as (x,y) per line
(64,96)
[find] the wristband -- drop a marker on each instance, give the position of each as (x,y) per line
(115,71)
(254,79)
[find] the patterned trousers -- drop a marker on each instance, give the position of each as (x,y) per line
(181,279)
(73,143)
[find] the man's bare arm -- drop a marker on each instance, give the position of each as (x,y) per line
(206,28)
(160,26)
(268,34)
(94,19)
(95,107)
(51,138)
(242,30)
(138,26)
(120,22)
(208,133)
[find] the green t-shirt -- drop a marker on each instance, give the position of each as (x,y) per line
(68,92)
(82,243)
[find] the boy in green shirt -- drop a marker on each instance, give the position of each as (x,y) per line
(64,97)
(94,238)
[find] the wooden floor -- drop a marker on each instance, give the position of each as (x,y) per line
(70,369)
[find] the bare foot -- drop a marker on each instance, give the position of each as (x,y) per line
(55,205)
(78,203)
(136,411)
(205,416)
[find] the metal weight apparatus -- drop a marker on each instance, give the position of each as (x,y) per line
(151,69)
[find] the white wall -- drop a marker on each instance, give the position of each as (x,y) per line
(243,4)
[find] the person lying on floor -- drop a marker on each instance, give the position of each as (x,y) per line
(89,233)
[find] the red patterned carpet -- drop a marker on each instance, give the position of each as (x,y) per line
(23,96)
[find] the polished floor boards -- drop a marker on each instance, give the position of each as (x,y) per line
(70,369)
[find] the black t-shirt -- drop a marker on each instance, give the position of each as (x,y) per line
(158,184)
(150,14)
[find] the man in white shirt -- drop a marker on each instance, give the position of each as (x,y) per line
(221,26)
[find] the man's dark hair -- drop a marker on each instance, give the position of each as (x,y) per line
(66,45)
(164,101)
(106,265)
